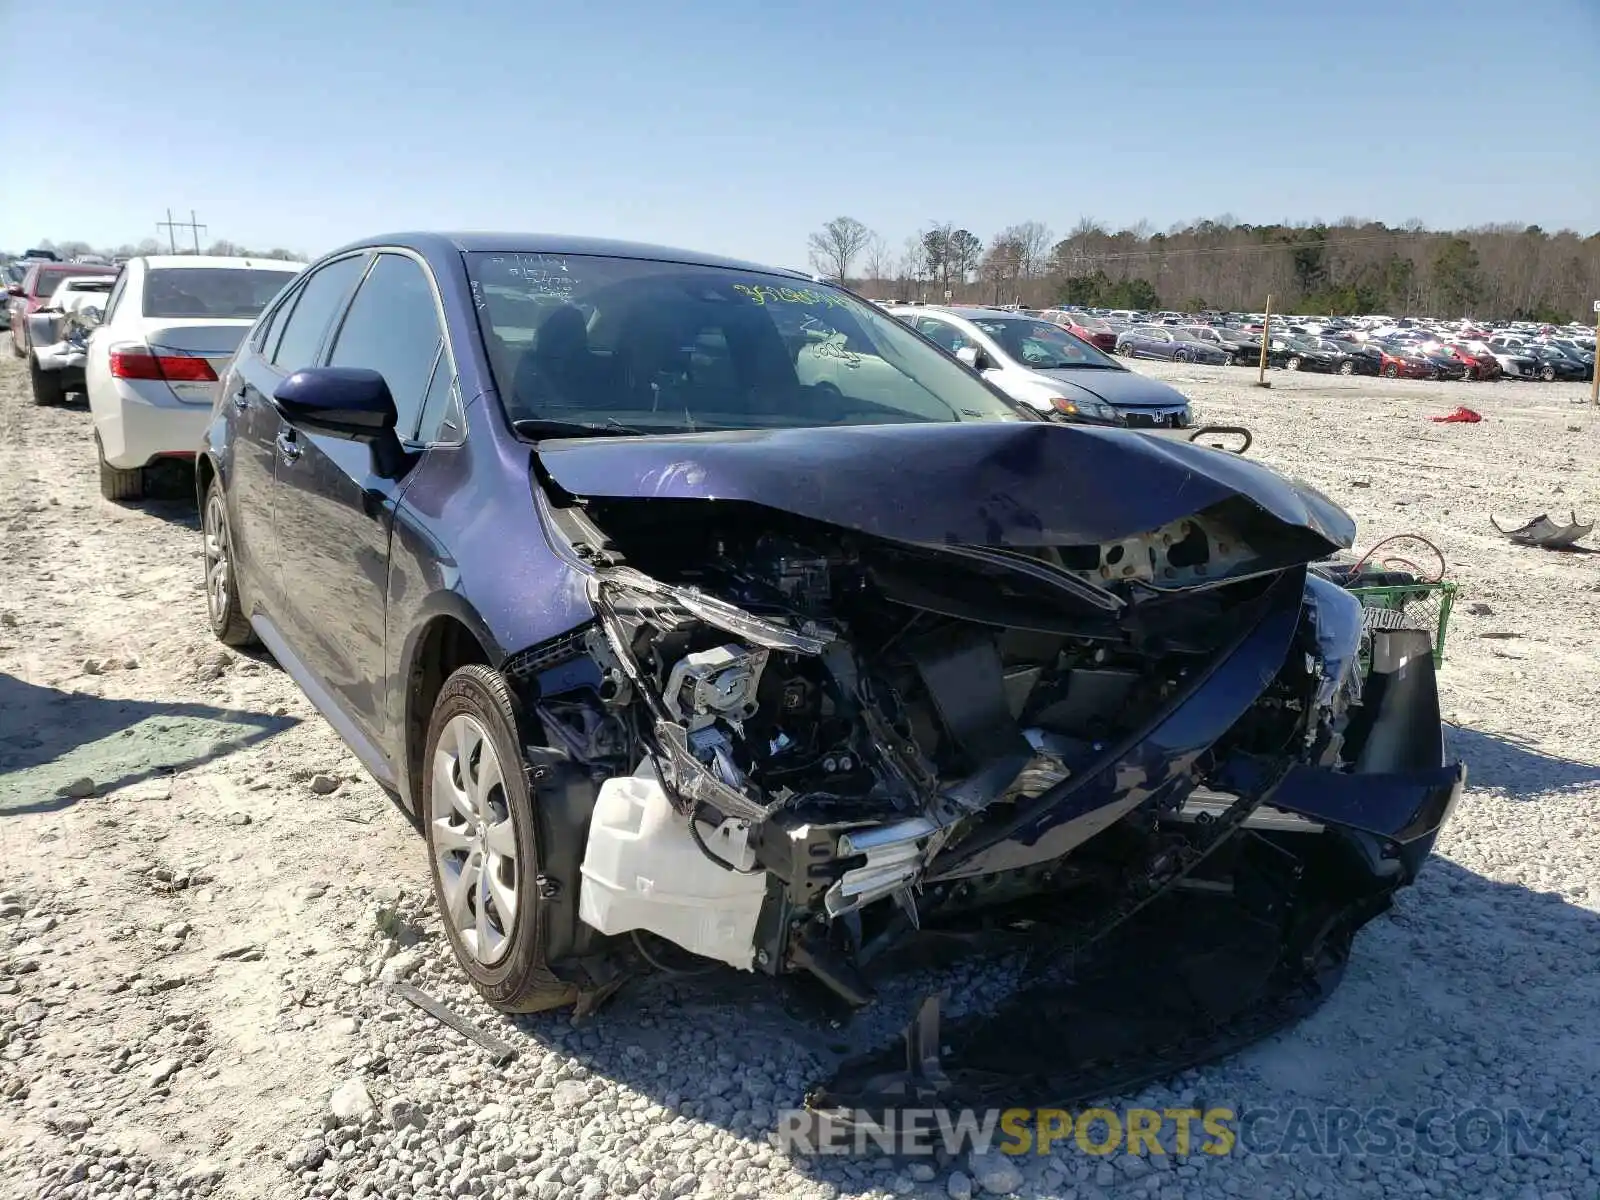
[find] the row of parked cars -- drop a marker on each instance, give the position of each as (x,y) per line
(654,584)
(1413,350)
(144,343)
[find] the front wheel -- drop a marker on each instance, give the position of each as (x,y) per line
(483,849)
(1548,374)
(1294,362)
(47,389)
(1347,367)
(1391,371)
(222,579)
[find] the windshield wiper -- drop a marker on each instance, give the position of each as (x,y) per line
(545,427)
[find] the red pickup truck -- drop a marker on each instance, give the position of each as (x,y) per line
(34,292)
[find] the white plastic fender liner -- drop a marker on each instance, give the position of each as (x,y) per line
(642,870)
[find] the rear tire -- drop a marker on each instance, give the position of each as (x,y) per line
(222,577)
(116,483)
(1548,374)
(1391,372)
(1347,367)
(515,977)
(47,389)
(1294,362)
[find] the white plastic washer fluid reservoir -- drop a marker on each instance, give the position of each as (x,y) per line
(642,870)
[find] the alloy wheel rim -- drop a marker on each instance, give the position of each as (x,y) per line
(474,840)
(216,539)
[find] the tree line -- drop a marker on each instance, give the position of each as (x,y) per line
(1491,272)
(222,247)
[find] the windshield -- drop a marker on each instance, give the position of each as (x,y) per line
(671,348)
(1040,345)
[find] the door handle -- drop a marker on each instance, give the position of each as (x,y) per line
(288,447)
(241,399)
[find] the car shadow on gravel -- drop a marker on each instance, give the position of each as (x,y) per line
(1517,768)
(55,739)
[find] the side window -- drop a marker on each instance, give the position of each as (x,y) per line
(320,299)
(393,328)
(117,288)
(947,336)
(442,418)
(271,326)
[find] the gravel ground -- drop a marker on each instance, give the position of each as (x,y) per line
(201,894)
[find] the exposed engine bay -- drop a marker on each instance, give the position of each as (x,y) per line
(806,743)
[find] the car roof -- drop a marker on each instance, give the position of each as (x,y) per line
(167,262)
(551,243)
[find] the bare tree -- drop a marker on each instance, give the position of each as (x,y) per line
(1033,239)
(836,245)
(877,260)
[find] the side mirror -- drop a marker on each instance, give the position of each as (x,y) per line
(973,357)
(14,289)
(343,402)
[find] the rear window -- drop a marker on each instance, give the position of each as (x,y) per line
(49,279)
(227,292)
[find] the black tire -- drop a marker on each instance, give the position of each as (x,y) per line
(1182,356)
(520,981)
(1391,372)
(224,611)
(115,482)
(1293,364)
(1548,374)
(1126,349)
(1347,367)
(1241,360)
(47,389)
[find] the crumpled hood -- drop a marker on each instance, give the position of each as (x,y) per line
(989,483)
(1125,389)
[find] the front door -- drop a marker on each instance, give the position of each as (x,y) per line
(290,339)
(332,510)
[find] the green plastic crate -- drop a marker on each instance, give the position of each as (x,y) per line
(1423,606)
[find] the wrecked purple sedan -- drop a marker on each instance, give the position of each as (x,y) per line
(700,611)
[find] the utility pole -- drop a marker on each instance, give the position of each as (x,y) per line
(172,228)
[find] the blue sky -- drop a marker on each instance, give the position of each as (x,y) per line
(738,126)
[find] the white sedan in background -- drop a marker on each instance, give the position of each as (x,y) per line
(171,324)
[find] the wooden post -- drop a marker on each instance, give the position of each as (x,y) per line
(1266,340)
(1594,384)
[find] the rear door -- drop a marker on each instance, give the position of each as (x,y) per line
(290,338)
(333,513)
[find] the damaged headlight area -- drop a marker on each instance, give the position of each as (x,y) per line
(807,746)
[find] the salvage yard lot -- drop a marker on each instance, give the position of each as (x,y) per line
(192,943)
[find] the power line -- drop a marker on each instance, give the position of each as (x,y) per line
(172,228)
